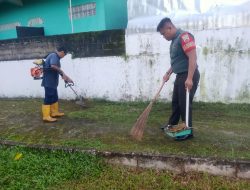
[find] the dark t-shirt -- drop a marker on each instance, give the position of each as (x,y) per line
(51,76)
(182,43)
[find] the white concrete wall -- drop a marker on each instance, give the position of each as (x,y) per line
(112,78)
(223,59)
(223,46)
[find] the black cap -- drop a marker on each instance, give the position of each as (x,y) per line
(62,48)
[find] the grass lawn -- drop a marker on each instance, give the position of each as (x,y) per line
(221,130)
(24,168)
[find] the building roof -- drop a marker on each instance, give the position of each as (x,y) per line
(217,16)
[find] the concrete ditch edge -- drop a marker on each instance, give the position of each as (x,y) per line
(229,168)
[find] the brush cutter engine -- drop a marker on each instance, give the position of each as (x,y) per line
(37,71)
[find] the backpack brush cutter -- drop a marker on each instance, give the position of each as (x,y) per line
(37,74)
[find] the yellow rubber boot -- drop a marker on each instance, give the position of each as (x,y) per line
(46,114)
(55,110)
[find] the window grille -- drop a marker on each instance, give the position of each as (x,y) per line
(83,10)
(35,21)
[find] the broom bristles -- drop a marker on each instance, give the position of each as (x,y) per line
(138,128)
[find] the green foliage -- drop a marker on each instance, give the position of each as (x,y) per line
(38,169)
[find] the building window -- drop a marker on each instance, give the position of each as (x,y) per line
(84,10)
(35,21)
(9,26)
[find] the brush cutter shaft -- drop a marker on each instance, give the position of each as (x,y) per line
(187,108)
(80,101)
(70,84)
(73,91)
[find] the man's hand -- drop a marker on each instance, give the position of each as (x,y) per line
(189,84)
(166,77)
(67,79)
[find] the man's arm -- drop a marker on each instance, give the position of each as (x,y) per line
(192,57)
(60,71)
(189,47)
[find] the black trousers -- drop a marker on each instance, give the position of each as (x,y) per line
(179,98)
(51,96)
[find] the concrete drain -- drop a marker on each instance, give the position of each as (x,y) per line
(235,168)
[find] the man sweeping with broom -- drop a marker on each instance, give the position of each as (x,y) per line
(183,64)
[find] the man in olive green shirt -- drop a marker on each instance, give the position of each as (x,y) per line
(183,64)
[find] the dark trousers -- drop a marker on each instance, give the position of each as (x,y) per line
(179,98)
(51,96)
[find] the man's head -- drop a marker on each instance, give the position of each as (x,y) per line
(166,28)
(61,51)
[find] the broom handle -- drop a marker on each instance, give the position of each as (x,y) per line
(158,93)
(187,108)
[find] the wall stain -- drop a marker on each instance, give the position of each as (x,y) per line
(244,93)
(202,85)
(205,51)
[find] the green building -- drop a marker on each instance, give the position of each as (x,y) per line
(57,17)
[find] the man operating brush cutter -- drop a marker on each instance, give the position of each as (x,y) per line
(183,64)
(52,70)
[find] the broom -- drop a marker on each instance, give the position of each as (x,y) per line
(138,128)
